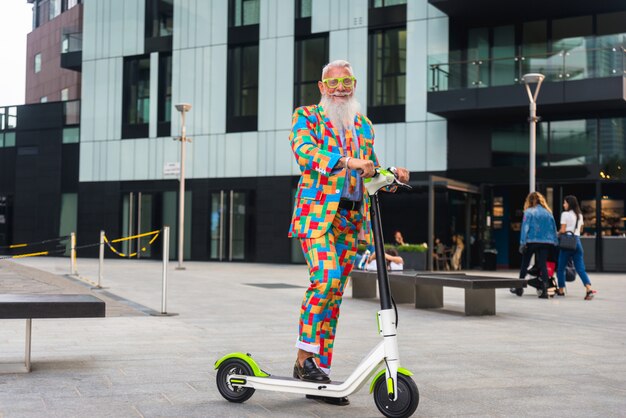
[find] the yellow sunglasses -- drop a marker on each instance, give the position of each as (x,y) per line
(333,83)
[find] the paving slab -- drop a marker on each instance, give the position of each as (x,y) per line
(561,357)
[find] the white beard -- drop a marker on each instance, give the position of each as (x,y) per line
(340,113)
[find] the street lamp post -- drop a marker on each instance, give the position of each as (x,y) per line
(182,108)
(530,79)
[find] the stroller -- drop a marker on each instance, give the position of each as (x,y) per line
(535,281)
(552,285)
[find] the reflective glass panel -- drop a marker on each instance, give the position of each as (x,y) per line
(71,135)
(573,142)
(613,148)
(510,145)
(388,75)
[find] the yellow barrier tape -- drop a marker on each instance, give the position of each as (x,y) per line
(31,254)
(145,234)
(18,245)
(121,254)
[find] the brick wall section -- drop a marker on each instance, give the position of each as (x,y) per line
(46,40)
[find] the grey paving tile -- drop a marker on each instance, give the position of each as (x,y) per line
(556,358)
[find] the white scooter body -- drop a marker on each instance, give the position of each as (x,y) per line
(385,352)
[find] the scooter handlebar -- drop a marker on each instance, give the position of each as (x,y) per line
(383,178)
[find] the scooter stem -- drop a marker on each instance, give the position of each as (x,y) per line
(381,264)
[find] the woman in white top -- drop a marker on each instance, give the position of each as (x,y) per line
(394,261)
(572,221)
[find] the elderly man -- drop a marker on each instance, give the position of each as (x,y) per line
(334,146)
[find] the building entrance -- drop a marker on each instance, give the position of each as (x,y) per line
(228,225)
(137,218)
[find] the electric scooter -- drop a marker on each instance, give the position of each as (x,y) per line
(395,393)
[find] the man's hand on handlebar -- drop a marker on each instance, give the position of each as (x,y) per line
(402,174)
(364,167)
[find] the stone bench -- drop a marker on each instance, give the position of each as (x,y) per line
(30,306)
(425,289)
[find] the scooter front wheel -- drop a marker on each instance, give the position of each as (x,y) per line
(405,405)
(227,389)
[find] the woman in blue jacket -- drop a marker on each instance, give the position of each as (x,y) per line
(538,237)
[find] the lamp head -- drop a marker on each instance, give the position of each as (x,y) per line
(533,78)
(183,107)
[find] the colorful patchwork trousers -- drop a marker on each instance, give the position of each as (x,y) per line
(330,259)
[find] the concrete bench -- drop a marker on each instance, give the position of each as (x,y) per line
(425,289)
(30,306)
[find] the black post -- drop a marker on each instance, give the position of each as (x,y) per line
(381,263)
(599,258)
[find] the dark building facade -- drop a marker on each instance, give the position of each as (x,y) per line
(581,142)
(39,155)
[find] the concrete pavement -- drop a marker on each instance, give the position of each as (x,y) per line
(559,357)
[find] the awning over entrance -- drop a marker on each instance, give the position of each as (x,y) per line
(449,184)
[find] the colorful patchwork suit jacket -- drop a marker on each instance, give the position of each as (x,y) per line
(317,150)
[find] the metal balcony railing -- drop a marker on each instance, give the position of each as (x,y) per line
(571,59)
(71,42)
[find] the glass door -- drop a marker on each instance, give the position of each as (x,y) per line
(137,209)
(228,225)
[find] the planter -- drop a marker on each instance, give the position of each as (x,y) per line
(413,260)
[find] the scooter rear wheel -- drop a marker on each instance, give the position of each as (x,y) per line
(229,392)
(405,405)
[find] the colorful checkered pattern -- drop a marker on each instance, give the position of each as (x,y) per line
(315,144)
(328,234)
(330,259)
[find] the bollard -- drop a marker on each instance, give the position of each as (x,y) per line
(73,269)
(166,258)
(101,263)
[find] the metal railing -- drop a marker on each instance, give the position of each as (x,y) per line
(71,42)
(573,61)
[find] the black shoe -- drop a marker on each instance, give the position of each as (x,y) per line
(329,400)
(519,292)
(310,372)
(544,295)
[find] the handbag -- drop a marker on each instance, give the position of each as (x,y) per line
(567,241)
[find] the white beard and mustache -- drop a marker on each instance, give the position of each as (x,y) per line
(341,113)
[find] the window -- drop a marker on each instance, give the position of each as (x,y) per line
(244,12)
(55,8)
(9,139)
(71,112)
(65,94)
(69,214)
(573,142)
(559,143)
(387,83)
(510,145)
(136,102)
(44,99)
(37,63)
(159,18)
(385,3)
(303,8)
(71,135)
(243,87)
(43,7)
(68,4)
(613,148)
(165,95)
(311,55)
